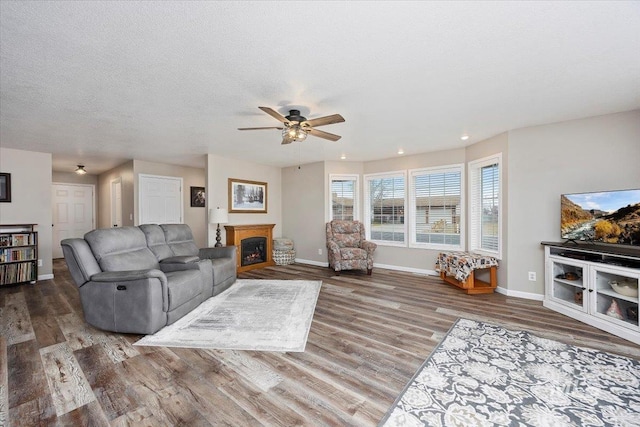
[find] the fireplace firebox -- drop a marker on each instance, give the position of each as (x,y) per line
(253,250)
(254,245)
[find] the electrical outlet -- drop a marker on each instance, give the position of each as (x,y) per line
(319,251)
(39,263)
(532,276)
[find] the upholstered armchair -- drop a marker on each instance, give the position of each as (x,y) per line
(347,247)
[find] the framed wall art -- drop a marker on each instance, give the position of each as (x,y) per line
(247,196)
(198,197)
(5,187)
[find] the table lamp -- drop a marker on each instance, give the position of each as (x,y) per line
(218,216)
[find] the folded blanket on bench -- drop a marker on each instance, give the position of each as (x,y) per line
(461,264)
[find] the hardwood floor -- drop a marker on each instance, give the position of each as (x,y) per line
(369,336)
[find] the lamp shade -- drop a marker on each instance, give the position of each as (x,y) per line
(218,216)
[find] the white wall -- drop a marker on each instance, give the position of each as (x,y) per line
(593,154)
(30,198)
(74,178)
(220,169)
(196,218)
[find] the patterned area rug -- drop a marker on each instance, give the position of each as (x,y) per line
(485,375)
(266,315)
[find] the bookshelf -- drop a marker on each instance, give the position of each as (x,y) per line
(18,254)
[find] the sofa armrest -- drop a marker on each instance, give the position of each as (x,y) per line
(368,246)
(127,276)
(135,278)
(184,259)
(219,252)
(333,246)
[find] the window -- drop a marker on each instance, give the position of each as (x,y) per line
(344,197)
(436,207)
(385,208)
(486,206)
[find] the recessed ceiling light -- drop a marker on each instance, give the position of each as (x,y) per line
(401,151)
(343,157)
(464,137)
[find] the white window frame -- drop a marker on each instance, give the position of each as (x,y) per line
(356,193)
(475,205)
(459,167)
(367,206)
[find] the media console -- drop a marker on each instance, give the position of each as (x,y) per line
(580,281)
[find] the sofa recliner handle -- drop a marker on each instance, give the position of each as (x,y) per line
(121,287)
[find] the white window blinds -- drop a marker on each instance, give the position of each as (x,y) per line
(344,197)
(485,205)
(437,207)
(386,205)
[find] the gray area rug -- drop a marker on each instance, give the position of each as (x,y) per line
(265,315)
(485,375)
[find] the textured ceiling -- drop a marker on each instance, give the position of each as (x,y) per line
(101,82)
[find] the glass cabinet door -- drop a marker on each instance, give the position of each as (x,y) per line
(568,283)
(615,296)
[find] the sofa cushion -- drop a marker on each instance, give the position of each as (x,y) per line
(183,286)
(121,249)
(180,239)
(156,241)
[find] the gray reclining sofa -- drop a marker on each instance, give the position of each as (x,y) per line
(139,279)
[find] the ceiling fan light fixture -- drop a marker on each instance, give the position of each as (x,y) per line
(294,133)
(80,170)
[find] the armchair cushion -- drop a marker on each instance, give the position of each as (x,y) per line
(347,246)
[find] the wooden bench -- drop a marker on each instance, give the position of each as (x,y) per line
(458,269)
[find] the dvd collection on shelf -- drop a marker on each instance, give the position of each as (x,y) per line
(18,253)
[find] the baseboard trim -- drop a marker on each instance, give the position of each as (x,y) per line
(406,269)
(45,276)
(520,294)
(310,262)
(425,272)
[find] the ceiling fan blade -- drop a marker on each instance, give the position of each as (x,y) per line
(323,134)
(327,120)
(269,127)
(273,113)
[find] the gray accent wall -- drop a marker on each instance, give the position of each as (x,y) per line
(124,171)
(303,210)
(592,154)
(479,150)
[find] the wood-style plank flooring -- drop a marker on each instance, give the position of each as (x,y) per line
(369,336)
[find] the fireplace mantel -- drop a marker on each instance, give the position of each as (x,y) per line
(237,233)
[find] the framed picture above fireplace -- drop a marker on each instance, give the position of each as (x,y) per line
(247,196)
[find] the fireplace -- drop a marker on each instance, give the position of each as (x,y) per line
(253,250)
(253,245)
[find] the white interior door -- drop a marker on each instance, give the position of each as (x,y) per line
(160,199)
(116,202)
(73,213)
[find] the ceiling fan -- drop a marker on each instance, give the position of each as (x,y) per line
(296,127)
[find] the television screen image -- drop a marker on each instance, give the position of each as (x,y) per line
(607,217)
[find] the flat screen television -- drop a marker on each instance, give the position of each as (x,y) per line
(604,217)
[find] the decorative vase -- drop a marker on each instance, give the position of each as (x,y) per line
(614,310)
